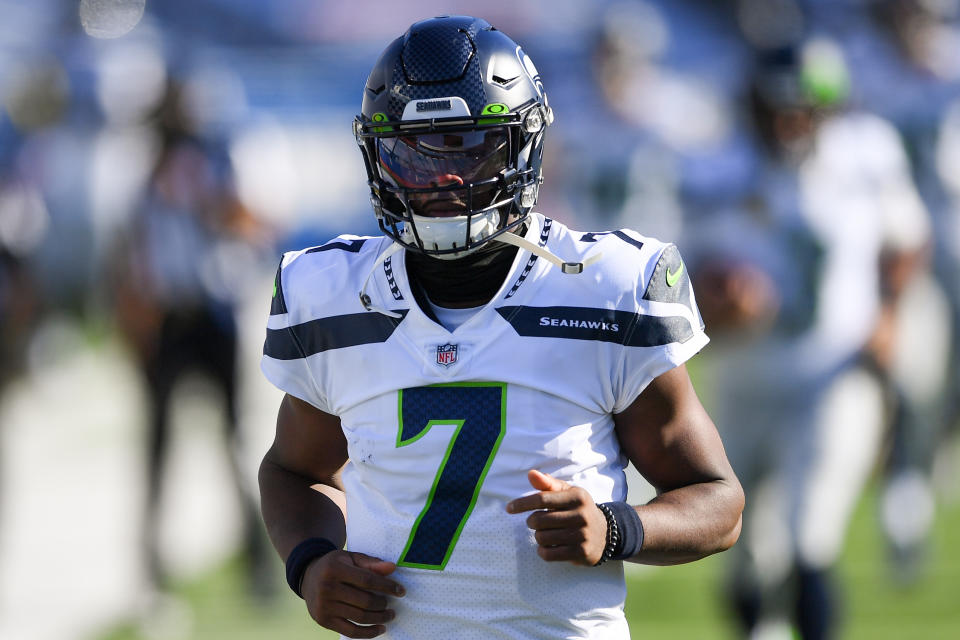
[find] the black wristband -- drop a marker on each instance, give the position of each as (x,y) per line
(301,556)
(627,528)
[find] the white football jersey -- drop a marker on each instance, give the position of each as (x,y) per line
(819,233)
(442,426)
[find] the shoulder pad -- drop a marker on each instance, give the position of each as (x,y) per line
(670,281)
(278,305)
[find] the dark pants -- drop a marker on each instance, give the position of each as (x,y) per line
(202,341)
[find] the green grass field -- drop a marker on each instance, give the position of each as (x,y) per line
(685,602)
(679,603)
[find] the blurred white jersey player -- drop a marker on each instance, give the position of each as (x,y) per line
(799,275)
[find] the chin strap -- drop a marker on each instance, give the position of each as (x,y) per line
(536,249)
(505,238)
(364,298)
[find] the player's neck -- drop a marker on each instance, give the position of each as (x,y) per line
(467,282)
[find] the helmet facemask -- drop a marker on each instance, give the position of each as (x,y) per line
(445,186)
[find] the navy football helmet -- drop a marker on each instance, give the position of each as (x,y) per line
(451,131)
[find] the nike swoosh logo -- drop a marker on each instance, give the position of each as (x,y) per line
(674,277)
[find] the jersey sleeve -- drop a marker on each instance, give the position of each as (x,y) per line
(667,330)
(904,217)
(284,362)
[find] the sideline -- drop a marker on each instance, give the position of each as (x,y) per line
(71,483)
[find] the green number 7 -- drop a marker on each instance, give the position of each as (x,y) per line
(476,411)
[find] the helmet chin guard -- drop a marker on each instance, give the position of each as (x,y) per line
(450,234)
(451,132)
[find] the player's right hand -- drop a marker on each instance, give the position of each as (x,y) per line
(346,592)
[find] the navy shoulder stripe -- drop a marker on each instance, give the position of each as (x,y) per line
(353,246)
(336,332)
(604,325)
(278,305)
(629,240)
(592,236)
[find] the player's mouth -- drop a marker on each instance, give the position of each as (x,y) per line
(445,208)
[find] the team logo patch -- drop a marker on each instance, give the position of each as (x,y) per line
(447,354)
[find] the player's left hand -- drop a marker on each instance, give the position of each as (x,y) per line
(566,522)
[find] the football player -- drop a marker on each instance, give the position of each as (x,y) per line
(464,392)
(803,281)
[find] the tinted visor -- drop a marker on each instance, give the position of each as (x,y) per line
(443,159)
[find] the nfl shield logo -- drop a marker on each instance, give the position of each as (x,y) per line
(447,354)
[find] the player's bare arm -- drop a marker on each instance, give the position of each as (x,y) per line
(671,440)
(673,443)
(897,270)
(302,498)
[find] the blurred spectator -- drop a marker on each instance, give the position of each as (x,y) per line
(653,111)
(189,242)
(800,283)
(926,32)
(925,37)
(48,175)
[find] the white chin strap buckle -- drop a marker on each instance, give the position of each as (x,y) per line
(565,267)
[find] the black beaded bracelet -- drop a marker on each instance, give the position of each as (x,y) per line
(624,531)
(301,557)
(613,535)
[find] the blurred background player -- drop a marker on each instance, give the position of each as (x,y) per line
(176,299)
(803,278)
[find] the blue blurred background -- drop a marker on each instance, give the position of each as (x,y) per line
(156,157)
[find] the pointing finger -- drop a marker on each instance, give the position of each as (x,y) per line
(551,500)
(545,482)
